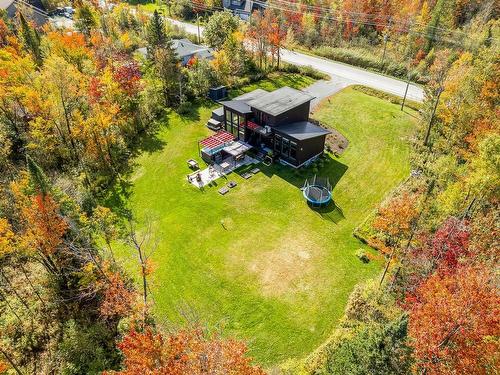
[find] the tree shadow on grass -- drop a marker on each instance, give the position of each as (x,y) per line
(117,194)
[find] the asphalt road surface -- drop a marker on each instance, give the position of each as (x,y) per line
(342,74)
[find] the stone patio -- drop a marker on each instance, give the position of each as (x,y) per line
(217,171)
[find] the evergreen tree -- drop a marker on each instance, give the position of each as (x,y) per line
(372,350)
(156,35)
(166,69)
(38,177)
(31,40)
(85,19)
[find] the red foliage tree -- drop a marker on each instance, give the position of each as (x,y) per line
(455,323)
(128,76)
(187,352)
(450,242)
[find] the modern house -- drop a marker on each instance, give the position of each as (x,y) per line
(185,50)
(32,10)
(277,121)
(242,8)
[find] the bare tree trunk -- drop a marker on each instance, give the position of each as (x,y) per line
(11,362)
(31,284)
(68,127)
(19,297)
(10,307)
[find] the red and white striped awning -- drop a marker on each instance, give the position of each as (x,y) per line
(218,139)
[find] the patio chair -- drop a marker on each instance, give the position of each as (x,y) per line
(193,164)
(223,190)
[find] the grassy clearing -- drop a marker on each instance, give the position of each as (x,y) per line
(259,262)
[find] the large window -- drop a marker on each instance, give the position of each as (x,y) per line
(293,150)
(234,124)
(227,115)
(277,143)
(285,147)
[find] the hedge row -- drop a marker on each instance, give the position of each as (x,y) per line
(364,60)
(304,70)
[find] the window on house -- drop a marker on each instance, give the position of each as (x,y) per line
(285,150)
(293,150)
(227,115)
(277,143)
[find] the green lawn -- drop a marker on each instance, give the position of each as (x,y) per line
(277,273)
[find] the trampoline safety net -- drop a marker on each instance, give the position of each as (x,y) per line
(317,190)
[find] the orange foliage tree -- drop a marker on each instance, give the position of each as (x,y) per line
(455,323)
(118,296)
(396,217)
(186,352)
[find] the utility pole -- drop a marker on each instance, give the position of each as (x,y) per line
(406,92)
(386,38)
(180,88)
(198,24)
(426,140)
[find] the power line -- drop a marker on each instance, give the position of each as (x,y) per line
(393,24)
(359,22)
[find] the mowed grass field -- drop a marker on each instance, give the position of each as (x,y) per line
(259,263)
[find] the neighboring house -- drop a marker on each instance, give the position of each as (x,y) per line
(277,120)
(185,50)
(32,10)
(242,8)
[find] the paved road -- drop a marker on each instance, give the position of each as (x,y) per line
(342,75)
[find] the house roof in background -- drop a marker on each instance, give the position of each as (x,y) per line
(280,100)
(184,47)
(302,130)
(4,4)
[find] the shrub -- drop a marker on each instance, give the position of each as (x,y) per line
(357,58)
(304,70)
(362,255)
(184,108)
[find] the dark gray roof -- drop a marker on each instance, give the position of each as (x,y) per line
(184,47)
(219,111)
(280,100)
(302,130)
(237,105)
(252,95)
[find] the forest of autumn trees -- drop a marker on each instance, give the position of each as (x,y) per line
(437,300)
(75,105)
